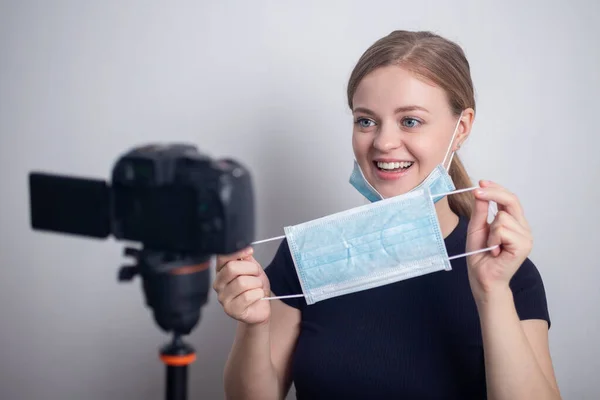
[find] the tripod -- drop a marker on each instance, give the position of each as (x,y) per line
(176,356)
(175,287)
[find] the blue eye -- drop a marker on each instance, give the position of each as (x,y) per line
(364,122)
(410,122)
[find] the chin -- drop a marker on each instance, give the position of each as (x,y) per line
(391,192)
(397,190)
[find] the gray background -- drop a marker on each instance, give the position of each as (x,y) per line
(265,82)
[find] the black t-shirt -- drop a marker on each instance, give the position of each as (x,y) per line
(415,339)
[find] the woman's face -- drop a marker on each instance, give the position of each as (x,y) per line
(403,126)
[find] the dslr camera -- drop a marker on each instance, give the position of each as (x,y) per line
(180,206)
(170,198)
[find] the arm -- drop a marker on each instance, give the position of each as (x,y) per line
(259,363)
(517,358)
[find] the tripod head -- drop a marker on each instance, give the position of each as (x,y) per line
(175,286)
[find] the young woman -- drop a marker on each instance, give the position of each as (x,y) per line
(478,331)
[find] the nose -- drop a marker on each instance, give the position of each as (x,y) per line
(388,138)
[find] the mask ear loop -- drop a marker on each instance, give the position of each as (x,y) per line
(493,208)
(451,142)
(475,251)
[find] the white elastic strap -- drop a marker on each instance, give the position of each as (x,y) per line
(449,258)
(268,240)
(450,146)
(473,252)
(291,296)
(450,162)
(455,191)
(492,209)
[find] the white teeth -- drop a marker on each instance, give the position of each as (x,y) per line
(394,165)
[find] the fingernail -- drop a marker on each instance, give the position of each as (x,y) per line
(480,193)
(249,250)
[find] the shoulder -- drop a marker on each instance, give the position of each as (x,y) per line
(527,277)
(529,293)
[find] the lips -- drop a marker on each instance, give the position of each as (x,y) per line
(387,169)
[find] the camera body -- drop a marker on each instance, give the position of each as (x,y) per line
(169,197)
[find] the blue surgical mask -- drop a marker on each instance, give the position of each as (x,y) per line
(438,180)
(368,246)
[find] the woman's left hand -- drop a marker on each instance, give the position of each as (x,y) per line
(492,270)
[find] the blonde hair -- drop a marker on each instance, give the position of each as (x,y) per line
(438,60)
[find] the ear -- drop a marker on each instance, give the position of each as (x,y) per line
(464,128)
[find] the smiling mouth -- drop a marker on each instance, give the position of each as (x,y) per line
(401,166)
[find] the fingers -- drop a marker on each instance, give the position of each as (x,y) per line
(239,305)
(506,200)
(479,215)
(506,231)
(233,270)
(239,286)
(223,259)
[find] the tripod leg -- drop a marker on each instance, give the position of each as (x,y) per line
(176,383)
(177,356)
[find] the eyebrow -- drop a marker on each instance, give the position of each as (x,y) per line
(398,110)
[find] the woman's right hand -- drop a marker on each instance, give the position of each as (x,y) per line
(241,283)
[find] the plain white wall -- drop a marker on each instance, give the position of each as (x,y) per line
(264,82)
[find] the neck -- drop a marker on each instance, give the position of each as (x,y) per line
(447,218)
